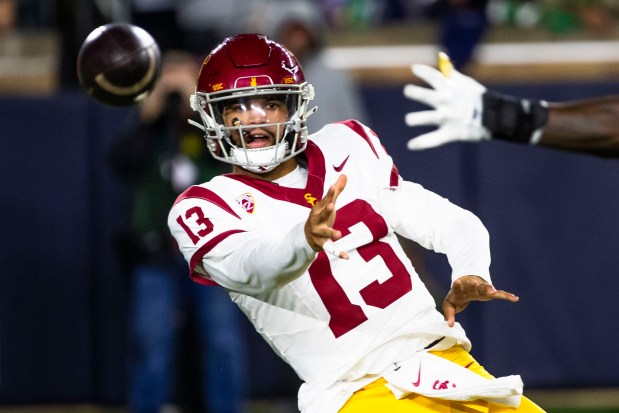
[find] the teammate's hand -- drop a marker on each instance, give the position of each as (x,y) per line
(470,288)
(457,103)
(319,225)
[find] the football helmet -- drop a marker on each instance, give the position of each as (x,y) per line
(242,68)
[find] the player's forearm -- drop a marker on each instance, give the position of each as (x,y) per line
(260,264)
(467,247)
(590,126)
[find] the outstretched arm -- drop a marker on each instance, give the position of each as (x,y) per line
(464,110)
(589,126)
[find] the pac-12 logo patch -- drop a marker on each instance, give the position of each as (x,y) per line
(247,202)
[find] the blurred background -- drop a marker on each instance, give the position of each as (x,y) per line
(553,216)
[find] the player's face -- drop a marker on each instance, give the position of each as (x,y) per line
(256,111)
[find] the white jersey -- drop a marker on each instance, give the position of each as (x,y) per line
(340,324)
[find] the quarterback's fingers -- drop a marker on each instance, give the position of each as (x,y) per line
(484,289)
(505,295)
(318,233)
(472,285)
(324,222)
(334,191)
(324,234)
(330,248)
(449,312)
(473,288)
(428,140)
(338,187)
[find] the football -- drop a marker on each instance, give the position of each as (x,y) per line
(119,64)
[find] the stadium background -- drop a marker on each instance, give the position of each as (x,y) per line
(552,217)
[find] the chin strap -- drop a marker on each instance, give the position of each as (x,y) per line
(259,160)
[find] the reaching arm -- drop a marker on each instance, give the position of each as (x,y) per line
(464,110)
(589,126)
(437,224)
(221,249)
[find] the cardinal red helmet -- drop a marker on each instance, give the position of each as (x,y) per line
(250,66)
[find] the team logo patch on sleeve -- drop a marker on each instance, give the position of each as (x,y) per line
(247,202)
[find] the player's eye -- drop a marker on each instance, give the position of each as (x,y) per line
(274,104)
(237,107)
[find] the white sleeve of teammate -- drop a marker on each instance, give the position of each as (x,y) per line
(439,225)
(252,263)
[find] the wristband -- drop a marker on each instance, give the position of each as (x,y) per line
(513,119)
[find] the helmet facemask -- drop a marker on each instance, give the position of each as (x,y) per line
(229,142)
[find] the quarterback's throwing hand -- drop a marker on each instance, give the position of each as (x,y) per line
(319,230)
(470,288)
(457,105)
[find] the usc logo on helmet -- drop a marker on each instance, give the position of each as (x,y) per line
(218,86)
(288,80)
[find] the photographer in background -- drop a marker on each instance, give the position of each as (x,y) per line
(159,155)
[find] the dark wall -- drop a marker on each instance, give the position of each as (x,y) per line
(552,218)
(61,294)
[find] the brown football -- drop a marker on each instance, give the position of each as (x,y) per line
(119,64)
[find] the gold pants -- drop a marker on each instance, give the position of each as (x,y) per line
(377,398)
